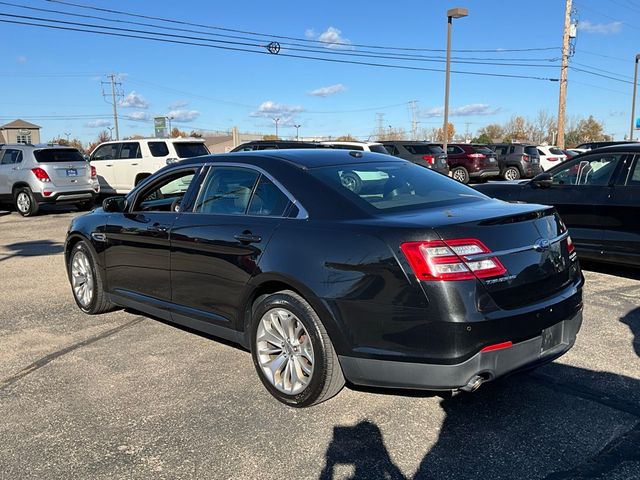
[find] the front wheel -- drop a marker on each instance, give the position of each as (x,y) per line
(25,202)
(460,174)
(511,173)
(292,352)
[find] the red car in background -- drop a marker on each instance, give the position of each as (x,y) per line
(469,161)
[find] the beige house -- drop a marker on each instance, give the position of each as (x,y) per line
(20,131)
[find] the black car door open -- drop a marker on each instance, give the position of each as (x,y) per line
(622,220)
(216,247)
(137,254)
(580,193)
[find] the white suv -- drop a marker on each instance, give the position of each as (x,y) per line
(360,146)
(550,156)
(123,164)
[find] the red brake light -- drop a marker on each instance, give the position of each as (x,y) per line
(94,174)
(451,260)
(552,159)
(429,158)
(525,158)
(570,246)
(41,174)
(497,346)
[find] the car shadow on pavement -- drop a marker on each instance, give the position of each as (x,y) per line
(611,269)
(555,423)
(31,249)
(632,320)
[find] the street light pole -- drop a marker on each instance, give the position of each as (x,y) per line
(110,132)
(633,99)
(451,14)
(276,120)
(67,135)
(297,128)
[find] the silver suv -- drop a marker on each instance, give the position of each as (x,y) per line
(31,175)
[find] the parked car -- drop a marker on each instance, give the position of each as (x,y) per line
(517,160)
(594,145)
(33,175)
(415,282)
(472,161)
(550,156)
(598,197)
(273,145)
(570,153)
(121,165)
(356,146)
(430,155)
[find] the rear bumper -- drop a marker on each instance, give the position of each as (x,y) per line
(532,170)
(487,172)
(73,196)
(490,364)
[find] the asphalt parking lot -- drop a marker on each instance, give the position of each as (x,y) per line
(125,396)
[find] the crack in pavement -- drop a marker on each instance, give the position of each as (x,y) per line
(41,362)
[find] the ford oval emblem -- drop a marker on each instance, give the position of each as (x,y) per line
(541,245)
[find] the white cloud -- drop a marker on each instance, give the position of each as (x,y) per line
(602,28)
(21,59)
(463,111)
(329,90)
(139,116)
(98,124)
(286,113)
(182,115)
(331,37)
(178,104)
(134,100)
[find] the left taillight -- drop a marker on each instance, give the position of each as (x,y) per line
(94,174)
(41,174)
(430,159)
(444,260)
(570,247)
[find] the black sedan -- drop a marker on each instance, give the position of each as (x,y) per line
(598,197)
(405,279)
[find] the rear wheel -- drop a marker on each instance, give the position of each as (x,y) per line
(460,174)
(25,202)
(511,173)
(292,352)
(86,281)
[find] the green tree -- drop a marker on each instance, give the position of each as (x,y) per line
(482,138)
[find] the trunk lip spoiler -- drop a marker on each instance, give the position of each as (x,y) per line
(511,251)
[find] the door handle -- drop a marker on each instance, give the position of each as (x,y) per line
(134,164)
(247,237)
(157,228)
(109,165)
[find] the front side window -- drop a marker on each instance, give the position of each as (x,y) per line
(106,152)
(166,194)
(268,199)
(226,191)
(596,170)
(130,150)
(158,149)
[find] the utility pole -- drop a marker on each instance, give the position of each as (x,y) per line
(633,99)
(466,132)
(276,120)
(380,122)
(562,103)
(297,128)
(414,119)
(115,94)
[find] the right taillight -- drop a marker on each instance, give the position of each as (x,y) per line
(570,246)
(443,259)
(525,158)
(41,174)
(94,173)
(429,159)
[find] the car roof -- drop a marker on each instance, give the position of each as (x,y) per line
(355,142)
(301,158)
(174,140)
(36,146)
(628,147)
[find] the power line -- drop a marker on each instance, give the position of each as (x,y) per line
(281,54)
(599,87)
(602,70)
(600,75)
(298,39)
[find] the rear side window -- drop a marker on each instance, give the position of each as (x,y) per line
(556,151)
(11,157)
(268,199)
(531,150)
(634,175)
(158,149)
(378,149)
(424,149)
(227,191)
(190,149)
(452,149)
(130,150)
(395,187)
(57,155)
(392,149)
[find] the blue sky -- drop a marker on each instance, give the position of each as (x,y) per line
(47,73)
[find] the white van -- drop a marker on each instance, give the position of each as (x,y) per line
(121,165)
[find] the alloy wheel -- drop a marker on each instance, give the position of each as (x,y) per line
(82,278)
(284,351)
(23,202)
(511,174)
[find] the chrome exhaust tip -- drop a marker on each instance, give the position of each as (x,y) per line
(473,384)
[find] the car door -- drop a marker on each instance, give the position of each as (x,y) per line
(128,165)
(580,193)
(137,241)
(215,248)
(9,163)
(622,215)
(104,159)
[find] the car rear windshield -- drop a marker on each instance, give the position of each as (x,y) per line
(58,155)
(424,149)
(395,187)
(482,149)
(531,150)
(378,149)
(190,149)
(556,151)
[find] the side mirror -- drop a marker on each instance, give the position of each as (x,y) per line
(542,180)
(114,204)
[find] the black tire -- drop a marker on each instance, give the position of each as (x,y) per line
(351,181)
(511,173)
(99,302)
(460,174)
(24,202)
(326,379)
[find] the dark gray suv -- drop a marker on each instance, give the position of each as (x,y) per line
(517,160)
(430,155)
